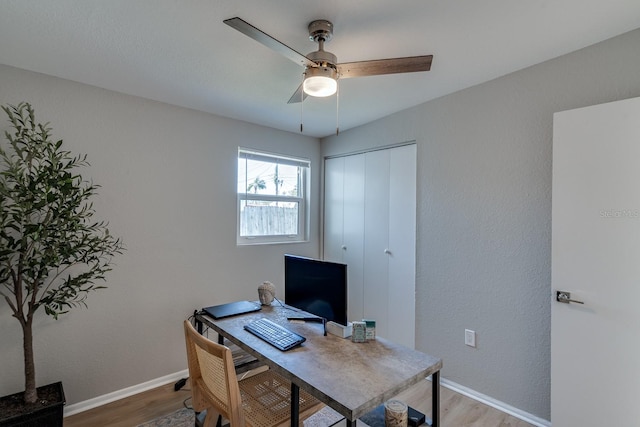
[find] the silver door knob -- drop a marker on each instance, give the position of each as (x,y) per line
(387,251)
(565,297)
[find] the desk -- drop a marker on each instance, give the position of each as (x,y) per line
(352,378)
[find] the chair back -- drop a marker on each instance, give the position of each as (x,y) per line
(213,377)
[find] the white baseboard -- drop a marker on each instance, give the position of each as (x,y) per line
(121,394)
(500,406)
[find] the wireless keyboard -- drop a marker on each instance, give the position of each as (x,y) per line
(276,335)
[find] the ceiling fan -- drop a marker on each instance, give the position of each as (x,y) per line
(322,69)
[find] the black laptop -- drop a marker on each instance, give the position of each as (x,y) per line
(231,309)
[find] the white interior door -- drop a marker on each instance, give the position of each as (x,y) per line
(595,346)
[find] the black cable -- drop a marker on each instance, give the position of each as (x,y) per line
(184,403)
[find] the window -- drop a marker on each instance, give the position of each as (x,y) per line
(272,198)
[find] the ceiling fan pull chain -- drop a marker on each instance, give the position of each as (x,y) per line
(301,103)
(338,109)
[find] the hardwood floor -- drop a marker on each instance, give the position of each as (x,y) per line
(456,410)
(133,410)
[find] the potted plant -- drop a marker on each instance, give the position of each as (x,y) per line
(52,252)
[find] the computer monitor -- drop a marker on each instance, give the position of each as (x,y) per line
(318,287)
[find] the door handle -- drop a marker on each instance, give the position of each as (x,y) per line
(565,297)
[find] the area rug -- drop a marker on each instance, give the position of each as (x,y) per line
(186,418)
(323,418)
(181,418)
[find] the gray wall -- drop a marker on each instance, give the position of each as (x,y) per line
(484,213)
(169,190)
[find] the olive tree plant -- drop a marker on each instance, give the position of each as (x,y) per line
(52,252)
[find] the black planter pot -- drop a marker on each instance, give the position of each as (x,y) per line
(48,411)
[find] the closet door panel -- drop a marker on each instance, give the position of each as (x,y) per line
(402,246)
(353,232)
(376,229)
(370,226)
(333,209)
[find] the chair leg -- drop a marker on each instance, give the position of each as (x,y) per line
(204,420)
(200,417)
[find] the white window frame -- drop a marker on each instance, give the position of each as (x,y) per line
(302,199)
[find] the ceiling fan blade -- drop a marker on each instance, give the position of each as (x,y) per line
(408,64)
(298,96)
(261,37)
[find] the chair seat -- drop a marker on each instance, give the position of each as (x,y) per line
(266,400)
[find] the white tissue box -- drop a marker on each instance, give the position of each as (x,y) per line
(339,330)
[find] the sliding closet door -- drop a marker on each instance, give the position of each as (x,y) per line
(353,243)
(344,224)
(376,240)
(370,226)
(389,239)
(402,245)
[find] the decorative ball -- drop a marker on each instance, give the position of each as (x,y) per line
(266,293)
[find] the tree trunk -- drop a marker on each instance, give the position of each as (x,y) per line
(30,392)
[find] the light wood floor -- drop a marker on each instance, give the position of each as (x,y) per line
(456,410)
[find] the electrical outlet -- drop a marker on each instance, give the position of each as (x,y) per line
(470,338)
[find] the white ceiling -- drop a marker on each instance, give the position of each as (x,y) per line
(181,53)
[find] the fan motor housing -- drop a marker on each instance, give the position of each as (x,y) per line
(323,57)
(320,29)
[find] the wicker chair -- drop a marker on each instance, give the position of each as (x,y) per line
(260,400)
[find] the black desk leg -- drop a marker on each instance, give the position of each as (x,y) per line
(351,423)
(295,405)
(435,399)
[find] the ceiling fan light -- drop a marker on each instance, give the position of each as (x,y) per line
(320,82)
(320,86)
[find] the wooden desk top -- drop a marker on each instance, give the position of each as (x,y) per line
(352,378)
